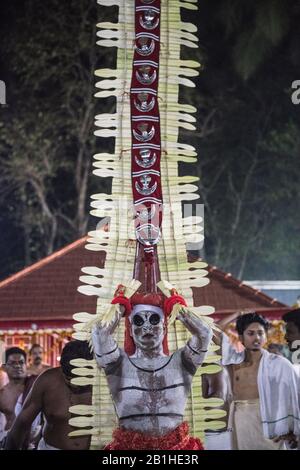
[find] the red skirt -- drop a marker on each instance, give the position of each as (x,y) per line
(179,439)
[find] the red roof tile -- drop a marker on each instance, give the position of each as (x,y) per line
(47,290)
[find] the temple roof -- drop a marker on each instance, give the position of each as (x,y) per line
(47,291)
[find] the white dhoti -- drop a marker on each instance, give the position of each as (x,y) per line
(278,409)
(218,440)
(248,428)
(44,446)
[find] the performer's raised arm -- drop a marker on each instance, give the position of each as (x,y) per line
(106,349)
(196,348)
(229,354)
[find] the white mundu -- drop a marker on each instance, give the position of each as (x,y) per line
(276,412)
(221,440)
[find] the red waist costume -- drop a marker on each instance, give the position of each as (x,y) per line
(179,439)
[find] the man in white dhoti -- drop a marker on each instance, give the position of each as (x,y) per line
(265,408)
(52,395)
(292,336)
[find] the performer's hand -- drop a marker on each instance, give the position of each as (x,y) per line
(188,321)
(105,347)
(109,328)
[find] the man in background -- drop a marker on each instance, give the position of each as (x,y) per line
(292,336)
(36,366)
(265,408)
(17,387)
(53,394)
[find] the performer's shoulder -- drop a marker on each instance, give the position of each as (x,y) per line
(49,374)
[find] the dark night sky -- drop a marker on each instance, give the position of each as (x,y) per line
(216,75)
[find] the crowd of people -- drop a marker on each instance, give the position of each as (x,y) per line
(260,388)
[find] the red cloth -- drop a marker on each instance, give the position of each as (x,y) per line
(147,298)
(179,439)
(122,300)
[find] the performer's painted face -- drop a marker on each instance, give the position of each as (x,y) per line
(254,337)
(147,330)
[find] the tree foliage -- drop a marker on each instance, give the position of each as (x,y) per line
(46,139)
(247,139)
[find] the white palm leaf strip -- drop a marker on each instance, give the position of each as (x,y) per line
(172,249)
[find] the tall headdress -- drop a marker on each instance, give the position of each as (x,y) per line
(145,244)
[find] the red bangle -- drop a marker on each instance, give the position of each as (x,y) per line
(120,299)
(171,301)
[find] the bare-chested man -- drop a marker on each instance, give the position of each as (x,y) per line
(53,394)
(15,367)
(36,366)
(149,388)
(265,407)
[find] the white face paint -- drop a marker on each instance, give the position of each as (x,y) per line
(147,329)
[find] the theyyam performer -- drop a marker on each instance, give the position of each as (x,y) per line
(149,387)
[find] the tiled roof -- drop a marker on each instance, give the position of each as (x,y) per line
(47,290)
(227,293)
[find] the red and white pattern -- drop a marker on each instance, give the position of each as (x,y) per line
(145,125)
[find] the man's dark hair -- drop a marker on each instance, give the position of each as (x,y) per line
(73,350)
(293,316)
(14,350)
(36,345)
(245,320)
